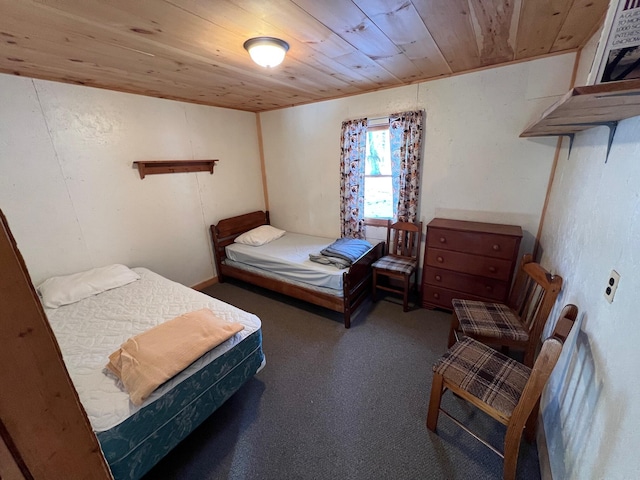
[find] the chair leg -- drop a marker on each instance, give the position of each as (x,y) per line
(511,449)
(434,402)
(531,424)
(405,298)
(374,282)
(455,324)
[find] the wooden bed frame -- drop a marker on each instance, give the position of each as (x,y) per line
(356,281)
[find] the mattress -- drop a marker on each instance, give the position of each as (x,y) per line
(89,330)
(288,257)
(138,443)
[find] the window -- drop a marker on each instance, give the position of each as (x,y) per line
(378,181)
(379,170)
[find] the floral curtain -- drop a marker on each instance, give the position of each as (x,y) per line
(353,150)
(405,130)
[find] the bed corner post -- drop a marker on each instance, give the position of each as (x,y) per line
(346,298)
(216,254)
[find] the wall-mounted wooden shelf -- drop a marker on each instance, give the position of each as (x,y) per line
(586,107)
(174,166)
(589,106)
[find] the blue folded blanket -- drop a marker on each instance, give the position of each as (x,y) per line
(349,249)
(326,260)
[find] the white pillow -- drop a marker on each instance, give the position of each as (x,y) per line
(259,235)
(58,291)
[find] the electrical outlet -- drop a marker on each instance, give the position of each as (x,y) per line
(612,285)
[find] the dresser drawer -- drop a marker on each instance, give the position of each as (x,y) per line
(472,264)
(487,244)
(475,285)
(441,297)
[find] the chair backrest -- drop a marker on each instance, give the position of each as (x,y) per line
(403,239)
(541,371)
(533,295)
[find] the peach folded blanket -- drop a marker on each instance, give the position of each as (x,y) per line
(149,359)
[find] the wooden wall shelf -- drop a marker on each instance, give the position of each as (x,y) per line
(590,106)
(154,167)
(586,107)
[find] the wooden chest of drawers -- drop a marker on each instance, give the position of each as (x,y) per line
(469,260)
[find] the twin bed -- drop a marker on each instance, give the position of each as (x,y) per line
(90,323)
(283,266)
(134,438)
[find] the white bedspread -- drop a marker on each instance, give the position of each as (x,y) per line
(89,330)
(288,256)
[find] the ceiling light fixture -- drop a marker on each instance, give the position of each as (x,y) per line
(266,51)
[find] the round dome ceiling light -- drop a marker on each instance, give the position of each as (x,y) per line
(266,51)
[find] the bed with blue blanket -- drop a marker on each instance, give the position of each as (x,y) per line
(287,265)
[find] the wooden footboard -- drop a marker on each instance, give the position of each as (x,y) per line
(356,281)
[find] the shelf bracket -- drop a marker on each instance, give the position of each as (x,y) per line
(612,133)
(613,125)
(571,136)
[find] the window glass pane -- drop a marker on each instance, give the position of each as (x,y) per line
(378,153)
(378,197)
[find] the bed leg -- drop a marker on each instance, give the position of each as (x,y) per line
(347,317)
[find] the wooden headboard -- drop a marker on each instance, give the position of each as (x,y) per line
(227,229)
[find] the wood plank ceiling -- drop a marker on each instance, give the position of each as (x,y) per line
(191,50)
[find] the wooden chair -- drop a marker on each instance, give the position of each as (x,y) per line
(401,259)
(518,324)
(503,388)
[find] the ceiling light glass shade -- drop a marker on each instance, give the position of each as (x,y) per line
(266,51)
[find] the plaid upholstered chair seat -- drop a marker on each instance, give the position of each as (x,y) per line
(396,264)
(486,374)
(489,320)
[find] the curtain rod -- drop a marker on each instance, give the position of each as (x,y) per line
(375,119)
(378,121)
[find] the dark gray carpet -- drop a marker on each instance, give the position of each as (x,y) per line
(333,403)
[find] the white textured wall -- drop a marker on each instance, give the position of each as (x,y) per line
(591,410)
(475,166)
(592,226)
(74,201)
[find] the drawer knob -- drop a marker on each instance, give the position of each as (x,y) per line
(488,288)
(443,240)
(436,295)
(440,259)
(438,278)
(493,269)
(496,247)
